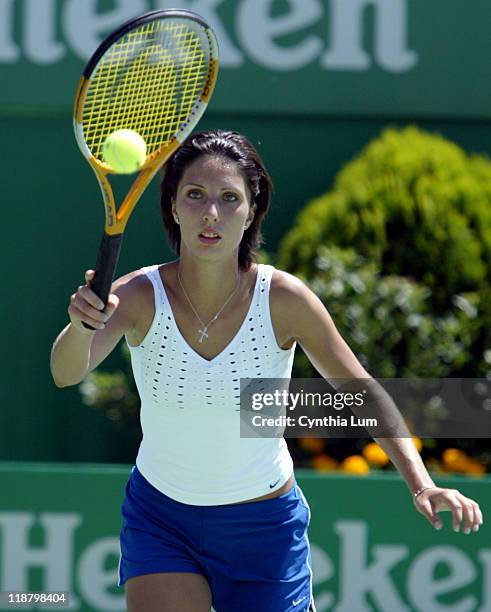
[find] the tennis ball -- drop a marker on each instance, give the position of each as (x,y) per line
(125,151)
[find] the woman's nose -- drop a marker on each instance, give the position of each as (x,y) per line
(210,212)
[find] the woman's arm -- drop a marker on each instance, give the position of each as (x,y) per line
(313,328)
(78,350)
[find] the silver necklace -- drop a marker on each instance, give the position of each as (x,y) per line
(203,332)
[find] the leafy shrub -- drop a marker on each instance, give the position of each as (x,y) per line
(415,206)
(387,320)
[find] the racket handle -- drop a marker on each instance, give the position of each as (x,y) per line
(105,268)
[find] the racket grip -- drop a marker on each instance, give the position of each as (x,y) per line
(105,268)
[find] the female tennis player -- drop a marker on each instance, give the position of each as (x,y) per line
(210,518)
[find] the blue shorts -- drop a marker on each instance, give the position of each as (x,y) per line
(254,555)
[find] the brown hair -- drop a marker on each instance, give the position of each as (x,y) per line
(232,146)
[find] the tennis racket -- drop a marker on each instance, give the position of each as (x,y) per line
(155,75)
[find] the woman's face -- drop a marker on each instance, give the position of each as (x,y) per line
(213,208)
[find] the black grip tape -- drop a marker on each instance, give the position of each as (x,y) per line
(105,268)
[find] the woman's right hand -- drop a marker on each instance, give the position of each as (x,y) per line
(87,307)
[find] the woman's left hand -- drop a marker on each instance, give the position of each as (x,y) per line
(436,499)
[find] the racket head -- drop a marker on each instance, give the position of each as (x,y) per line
(155,75)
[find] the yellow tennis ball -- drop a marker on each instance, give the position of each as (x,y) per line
(125,151)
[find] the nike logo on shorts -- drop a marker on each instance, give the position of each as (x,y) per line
(295,602)
(271,486)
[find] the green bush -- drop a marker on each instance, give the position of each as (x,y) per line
(415,206)
(387,320)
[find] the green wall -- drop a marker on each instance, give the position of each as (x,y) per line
(403,57)
(371,550)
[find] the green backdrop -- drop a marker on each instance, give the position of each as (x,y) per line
(310,82)
(371,550)
(403,57)
(51,225)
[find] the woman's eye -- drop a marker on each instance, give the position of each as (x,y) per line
(194,194)
(230,197)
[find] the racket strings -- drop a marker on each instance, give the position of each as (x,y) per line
(148,81)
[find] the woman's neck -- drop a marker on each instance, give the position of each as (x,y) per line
(208,284)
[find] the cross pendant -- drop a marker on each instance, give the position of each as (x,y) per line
(203,334)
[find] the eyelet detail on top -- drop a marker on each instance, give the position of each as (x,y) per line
(180,379)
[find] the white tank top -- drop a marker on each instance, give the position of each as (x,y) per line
(191,448)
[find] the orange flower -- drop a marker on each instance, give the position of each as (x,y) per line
(474,467)
(375,455)
(454,459)
(355,464)
(324,463)
(418,443)
(314,445)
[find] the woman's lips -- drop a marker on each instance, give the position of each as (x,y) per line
(209,239)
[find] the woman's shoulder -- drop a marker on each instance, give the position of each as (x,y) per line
(133,283)
(136,294)
(286,286)
(137,300)
(130,284)
(287,294)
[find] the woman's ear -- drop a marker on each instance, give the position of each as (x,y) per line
(174,213)
(250,216)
